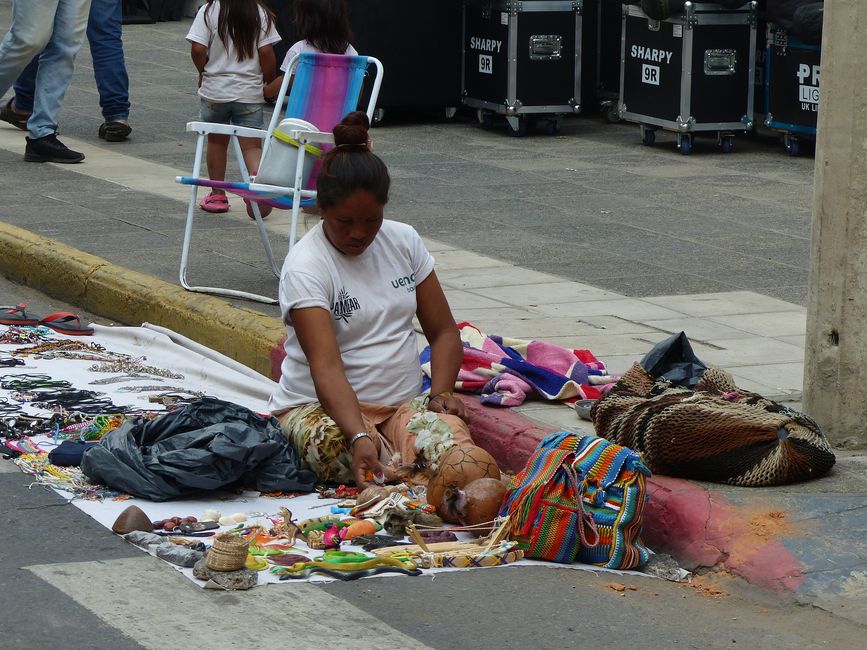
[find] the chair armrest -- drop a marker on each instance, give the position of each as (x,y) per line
(226,129)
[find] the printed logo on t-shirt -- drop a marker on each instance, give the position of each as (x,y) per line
(407,282)
(344,306)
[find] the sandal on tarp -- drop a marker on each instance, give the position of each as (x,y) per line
(112,131)
(18,316)
(65,322)
(13,117)
(215,203)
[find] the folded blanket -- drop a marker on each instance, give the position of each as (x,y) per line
(505,371)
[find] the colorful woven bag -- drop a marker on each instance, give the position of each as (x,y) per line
(614,481)
(545,507)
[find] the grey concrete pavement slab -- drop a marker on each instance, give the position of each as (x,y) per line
(623,307)
(773,325)
(781,376)
(666,282)
(722,304)
(752,352)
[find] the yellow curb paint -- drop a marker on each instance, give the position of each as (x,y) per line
(132,298)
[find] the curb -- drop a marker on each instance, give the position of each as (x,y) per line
(696,525)
(131,298)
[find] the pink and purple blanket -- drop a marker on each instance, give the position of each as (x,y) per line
(506,371)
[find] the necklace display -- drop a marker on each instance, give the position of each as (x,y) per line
(14,335)
(133,366)
(65,345)
(118,379)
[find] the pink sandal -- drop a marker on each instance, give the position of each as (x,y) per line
(215,203)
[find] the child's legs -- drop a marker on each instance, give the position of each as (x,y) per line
(218,148)
(218,144)
(250,116)
(251,149)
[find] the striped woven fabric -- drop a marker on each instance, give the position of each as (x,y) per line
(615,494)
(542,502)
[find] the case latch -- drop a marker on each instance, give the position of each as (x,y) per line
(546,47)
(720,62)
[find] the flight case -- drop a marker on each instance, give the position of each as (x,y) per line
(689,73)
(522,59)
(791,87)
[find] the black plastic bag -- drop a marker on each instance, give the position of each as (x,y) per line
(674,360)
(207,445)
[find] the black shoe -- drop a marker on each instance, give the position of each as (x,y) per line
(114,131)
(50,149)
(15,118)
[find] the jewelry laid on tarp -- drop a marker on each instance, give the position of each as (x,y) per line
(10,362)
(68,479)
(150,389)
(55,347)
(130,365)
(15,335)
(118,379)
(25,382)
(173,400)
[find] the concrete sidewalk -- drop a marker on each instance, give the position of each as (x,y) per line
(586,240)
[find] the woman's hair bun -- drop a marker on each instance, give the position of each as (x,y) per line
(352,130)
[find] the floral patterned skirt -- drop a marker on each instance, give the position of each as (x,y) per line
(400,434)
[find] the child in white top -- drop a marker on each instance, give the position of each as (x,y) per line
(232,48)
(322,27)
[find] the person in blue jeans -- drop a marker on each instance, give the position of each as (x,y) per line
(109,70)
(54,30)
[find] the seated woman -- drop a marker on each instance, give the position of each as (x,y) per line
(348,397)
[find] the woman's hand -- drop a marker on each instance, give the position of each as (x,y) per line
(449,404)
(365,461)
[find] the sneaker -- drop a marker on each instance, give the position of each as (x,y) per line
(50,149)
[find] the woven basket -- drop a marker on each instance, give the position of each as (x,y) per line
(229,553)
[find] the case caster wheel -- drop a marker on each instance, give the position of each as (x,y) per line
(450,112)
(684,143)
(727,143)
(792,146)
(378,116)
(520,129)
(485,118)
(648,136)
(552,126)
(612,114)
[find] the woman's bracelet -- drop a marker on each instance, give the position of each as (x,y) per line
(358,436)
(445,395)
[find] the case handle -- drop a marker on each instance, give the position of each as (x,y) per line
(720,62)
(546,47)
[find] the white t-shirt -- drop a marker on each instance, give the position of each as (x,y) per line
(371,299)
(307,46)
(226,79)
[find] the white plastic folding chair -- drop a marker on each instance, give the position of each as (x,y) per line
(324,89)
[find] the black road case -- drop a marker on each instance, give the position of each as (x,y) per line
(521,59)
(419,44)
(791,87)
(693,72)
